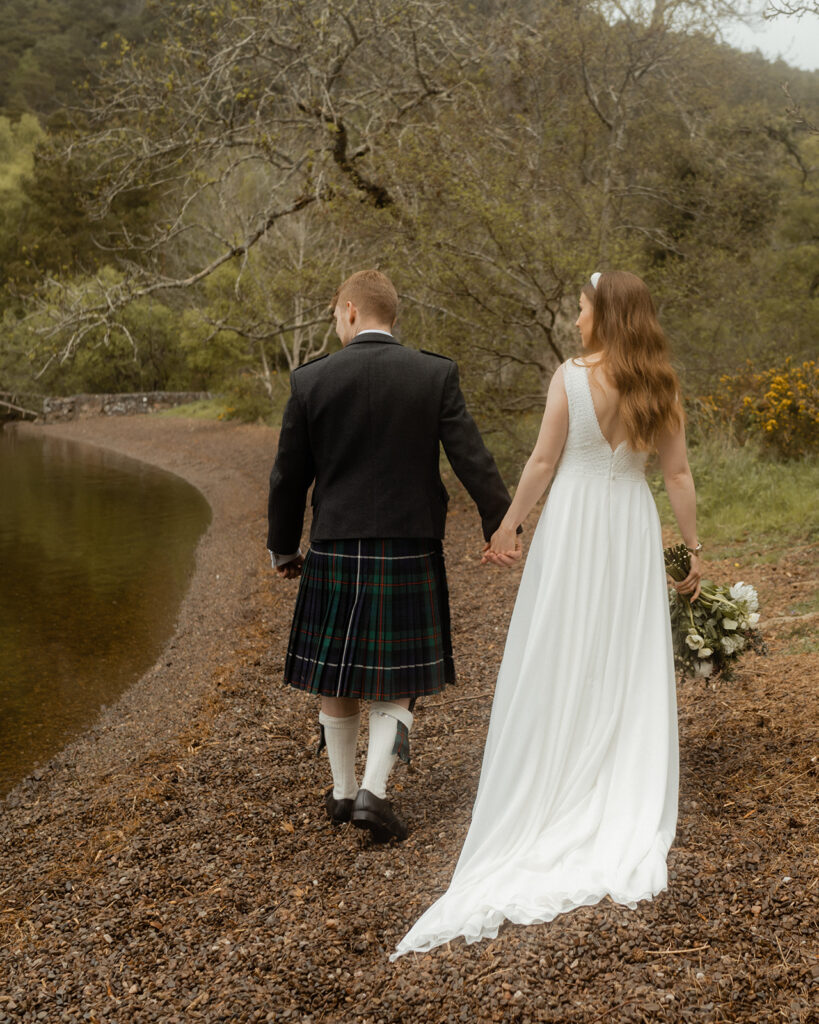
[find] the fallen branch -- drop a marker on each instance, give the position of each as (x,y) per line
(19,408)
(674,952)
(787,618)
(458,700)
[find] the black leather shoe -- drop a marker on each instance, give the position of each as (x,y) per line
(369,811)
(338,811)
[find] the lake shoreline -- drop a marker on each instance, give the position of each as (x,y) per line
(228,463)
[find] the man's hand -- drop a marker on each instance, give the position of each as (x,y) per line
(290,570)
(503,549)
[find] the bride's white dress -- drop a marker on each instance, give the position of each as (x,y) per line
(577,797)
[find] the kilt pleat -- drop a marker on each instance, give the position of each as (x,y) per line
(372,620)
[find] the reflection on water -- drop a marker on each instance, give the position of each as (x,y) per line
(96,552)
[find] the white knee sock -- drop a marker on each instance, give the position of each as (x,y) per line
(341,737)
(384,719)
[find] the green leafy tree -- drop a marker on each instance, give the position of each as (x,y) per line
(247,116)
(49,47)
(18,142)
(490,158)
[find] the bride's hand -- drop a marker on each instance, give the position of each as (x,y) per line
(503,549)
(692,582)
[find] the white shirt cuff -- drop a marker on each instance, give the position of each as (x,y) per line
(279,560)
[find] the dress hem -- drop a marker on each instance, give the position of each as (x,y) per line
(494,917)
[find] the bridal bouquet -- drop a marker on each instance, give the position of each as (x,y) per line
(710,634)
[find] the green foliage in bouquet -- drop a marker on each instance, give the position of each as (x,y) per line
(710,634)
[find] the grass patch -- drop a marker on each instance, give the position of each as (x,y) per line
(805,646)
(243,401)
(206,409)
(807,605)
(803,638)
(747,505)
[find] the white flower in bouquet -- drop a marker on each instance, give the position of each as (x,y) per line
(710,633)
(747,594)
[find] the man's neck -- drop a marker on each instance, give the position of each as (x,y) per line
(384,328)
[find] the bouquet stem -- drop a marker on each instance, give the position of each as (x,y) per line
(711,632)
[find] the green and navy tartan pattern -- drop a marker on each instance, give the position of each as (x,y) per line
(372,620)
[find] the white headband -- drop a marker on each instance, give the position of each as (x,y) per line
(594,279)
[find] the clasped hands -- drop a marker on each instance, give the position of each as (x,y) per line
(504,548)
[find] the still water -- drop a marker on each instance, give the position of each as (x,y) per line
(96,552)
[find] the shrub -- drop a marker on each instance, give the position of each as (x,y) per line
(778,407)
(247,399)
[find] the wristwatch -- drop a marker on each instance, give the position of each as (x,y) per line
(696,550)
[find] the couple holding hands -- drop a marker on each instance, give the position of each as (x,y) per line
(577,798)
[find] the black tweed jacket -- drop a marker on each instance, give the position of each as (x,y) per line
(366,424)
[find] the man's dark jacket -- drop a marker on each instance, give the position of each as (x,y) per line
(366,423)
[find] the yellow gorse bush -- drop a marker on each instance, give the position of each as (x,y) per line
(778,406)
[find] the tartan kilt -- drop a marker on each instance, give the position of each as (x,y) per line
(372,620)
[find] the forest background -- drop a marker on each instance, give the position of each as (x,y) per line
(182,188)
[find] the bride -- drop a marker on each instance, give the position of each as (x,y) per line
(577,797)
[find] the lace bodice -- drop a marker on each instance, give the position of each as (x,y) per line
(587,452)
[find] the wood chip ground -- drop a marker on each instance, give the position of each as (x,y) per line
(175,863)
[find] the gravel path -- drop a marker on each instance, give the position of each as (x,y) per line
(174,864)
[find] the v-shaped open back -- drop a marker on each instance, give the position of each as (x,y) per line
(587,449)
(613,447)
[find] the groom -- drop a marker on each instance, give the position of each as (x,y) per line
(371,622)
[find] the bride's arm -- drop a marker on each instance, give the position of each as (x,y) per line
(679,483)
(539,469)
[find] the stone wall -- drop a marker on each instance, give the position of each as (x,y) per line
(79,407)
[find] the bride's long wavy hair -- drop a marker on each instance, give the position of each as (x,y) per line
(635,355)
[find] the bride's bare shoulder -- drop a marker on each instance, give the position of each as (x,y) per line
(587,361)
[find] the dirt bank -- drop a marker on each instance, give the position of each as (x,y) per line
(175,863)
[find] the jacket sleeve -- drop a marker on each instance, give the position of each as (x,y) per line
(470,458)
(290,479)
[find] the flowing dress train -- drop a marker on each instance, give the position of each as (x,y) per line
(577,798)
